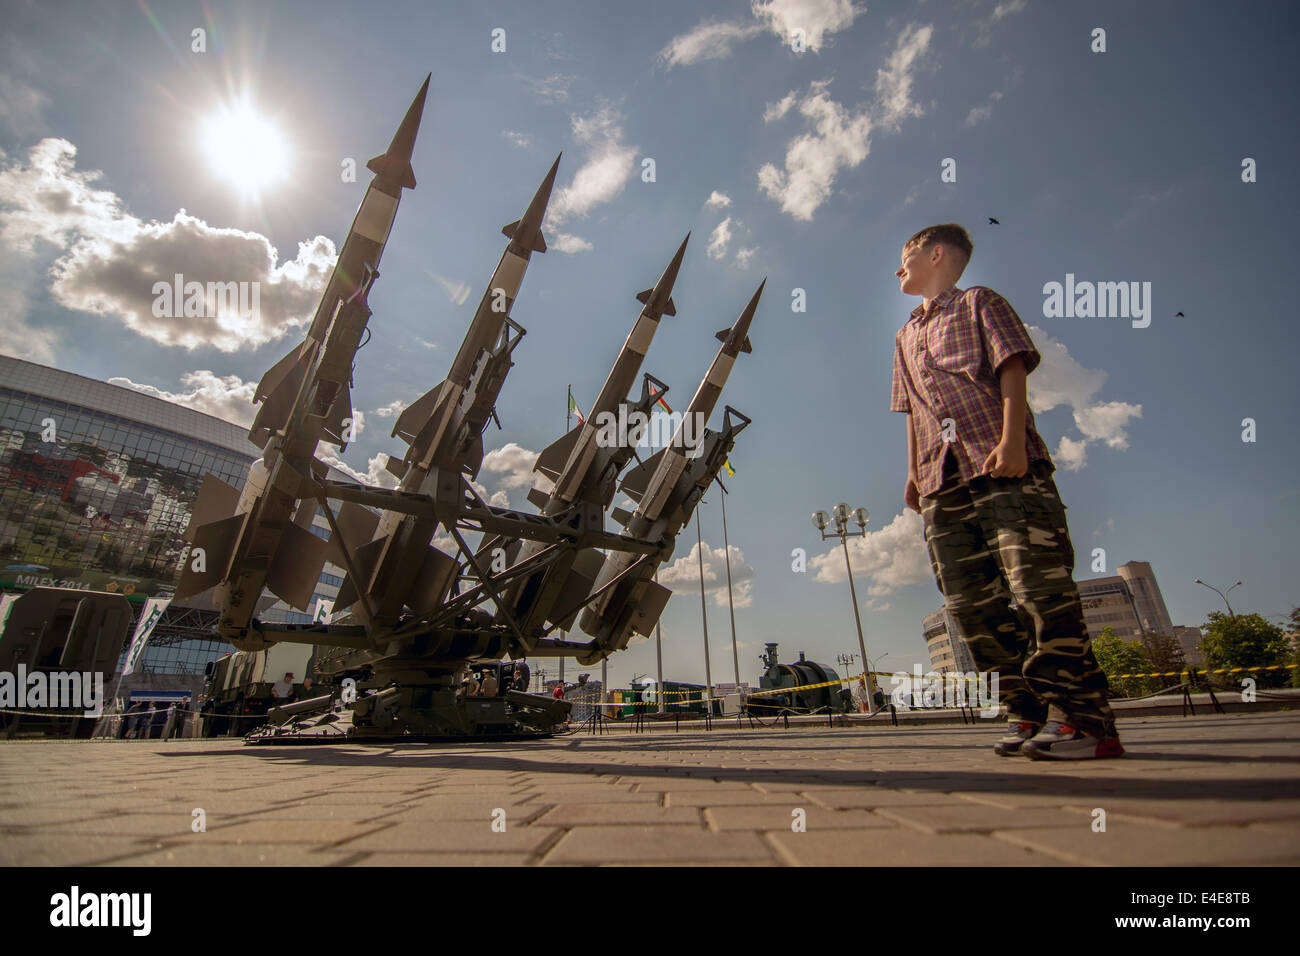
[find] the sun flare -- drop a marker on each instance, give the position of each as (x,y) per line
(244,148)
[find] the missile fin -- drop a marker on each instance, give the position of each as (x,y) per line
(644,297)
(339,420)
(556,455)
(416,415)
(216,541)
(216,500)
(433,582)
(395,467)
(296,567)
(306,513)
(472,458)
(364,559)
(581,579)
(277,405)
(671,307)
(621,515)
(356,524)
(747,347)
(538,498)
(722,334)
(637,479)
(645,613)
(277,372)
(509,230)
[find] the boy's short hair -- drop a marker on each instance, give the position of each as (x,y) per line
(949,234)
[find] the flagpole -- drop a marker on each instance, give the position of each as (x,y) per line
(568,411)
(726,545)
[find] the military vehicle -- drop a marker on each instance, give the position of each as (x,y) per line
(237,687)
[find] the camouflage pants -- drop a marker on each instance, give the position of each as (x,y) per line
(995,539)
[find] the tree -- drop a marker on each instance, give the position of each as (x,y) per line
(1247,640)
(1165,655)
(1115,656)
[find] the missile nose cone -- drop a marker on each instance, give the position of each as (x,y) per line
(395,164)
(738,340)
(541,198)
(527,230)
(670,274)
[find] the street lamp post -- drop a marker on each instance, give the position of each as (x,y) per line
(1222,594)
(860,517)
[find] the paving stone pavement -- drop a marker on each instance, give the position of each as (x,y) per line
(1204,790)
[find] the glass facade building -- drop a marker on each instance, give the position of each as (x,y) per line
(96,486)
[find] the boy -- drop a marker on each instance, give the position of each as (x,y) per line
(980,476)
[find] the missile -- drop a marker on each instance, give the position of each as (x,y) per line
(244,541)
(397,566)
(583,467)
(362,250)
(667,486)
(576,461)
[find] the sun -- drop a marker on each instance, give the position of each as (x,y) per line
(244,148)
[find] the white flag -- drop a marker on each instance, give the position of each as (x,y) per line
(324,609)
(149,617)
(6,602)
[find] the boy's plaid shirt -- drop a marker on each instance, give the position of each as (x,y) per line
(946,366)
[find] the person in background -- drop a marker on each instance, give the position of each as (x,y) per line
(282,691)
(490,686)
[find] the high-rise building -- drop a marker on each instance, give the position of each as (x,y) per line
(96,485)
(1129,602)
(943,639)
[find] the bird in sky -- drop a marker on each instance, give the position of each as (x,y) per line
(993,222)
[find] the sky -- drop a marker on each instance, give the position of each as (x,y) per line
(801,141)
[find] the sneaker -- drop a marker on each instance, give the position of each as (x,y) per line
(1018,731)
(1061,741)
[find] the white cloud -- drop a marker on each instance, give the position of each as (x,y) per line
(719,238)
(1061,380)
(227,397)
(111,260)
(979,114)
(514,465)
(894,81)
(744,255)
(777,110)
(684,574)
(1105,526)
(550,89)
(607,166)
(21,107)
(984,27)
(392,409)
(375,474)
(522,140)
(817,19)
(892,558)
(1070,454)
(838,138)
(717,200)
(711,40)
(567,242)
(1006,8)
(715,39)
